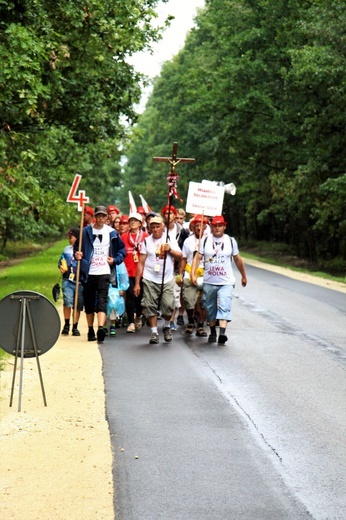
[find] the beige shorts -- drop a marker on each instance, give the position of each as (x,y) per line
(151,295)
(190,294)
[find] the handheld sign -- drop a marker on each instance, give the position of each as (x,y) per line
(81,199)
(205,198)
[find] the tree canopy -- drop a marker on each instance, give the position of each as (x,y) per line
(258,96)
(66,90)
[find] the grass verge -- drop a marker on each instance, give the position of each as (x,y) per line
(271,260)
(37,273)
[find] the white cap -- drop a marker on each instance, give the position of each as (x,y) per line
(137,216)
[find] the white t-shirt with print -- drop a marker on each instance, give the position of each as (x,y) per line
(153,267)
(190,245)
(218,254)
(99,264)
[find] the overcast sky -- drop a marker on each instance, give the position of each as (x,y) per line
(173,39)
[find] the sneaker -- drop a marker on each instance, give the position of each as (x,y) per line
(75,332)
(118,323)
(222,339)
(65,331)
(100,335)
(180,320)
(212,338)
(124,321)
(172,325)
(131,328)
(106,331)
(201,332)
(138,323)
(154,338)
(91,335)
(167,333)
(112,330)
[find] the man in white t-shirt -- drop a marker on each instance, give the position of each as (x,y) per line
(102,249)
(156,266)
(217,251)
(191,293)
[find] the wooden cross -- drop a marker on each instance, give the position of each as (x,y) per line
(174,160)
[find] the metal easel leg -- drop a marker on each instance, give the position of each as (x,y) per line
(36,354)
(17,351)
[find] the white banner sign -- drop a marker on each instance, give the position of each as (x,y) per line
(206,198)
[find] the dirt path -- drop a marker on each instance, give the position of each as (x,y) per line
(56,461)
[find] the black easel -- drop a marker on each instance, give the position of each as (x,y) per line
(21,342)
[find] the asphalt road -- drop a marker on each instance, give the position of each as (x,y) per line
(252,430)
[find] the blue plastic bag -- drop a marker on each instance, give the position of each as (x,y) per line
(115,301)
(122,277)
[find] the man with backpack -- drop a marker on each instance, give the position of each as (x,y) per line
(217,250)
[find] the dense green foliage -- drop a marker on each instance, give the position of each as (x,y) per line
(258,96)
(66,89)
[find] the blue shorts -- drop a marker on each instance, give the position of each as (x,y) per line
(217,301)
(68,291)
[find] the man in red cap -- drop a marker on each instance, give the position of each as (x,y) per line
(217,250)
(123,224)
(177,232)
(112,213)
(88,217)
(143,214)
(191,292)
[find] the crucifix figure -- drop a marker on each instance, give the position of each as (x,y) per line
(174,160)
(172,177)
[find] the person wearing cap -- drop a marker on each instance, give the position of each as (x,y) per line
(112,214)
(123,224)
(143,213)
(217,251)
(68,268)
(148,218)
(133,240)
(191,293)
(88,216)
(102,250)
(156,267)
(169,214)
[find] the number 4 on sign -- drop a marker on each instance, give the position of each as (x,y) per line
(80,198)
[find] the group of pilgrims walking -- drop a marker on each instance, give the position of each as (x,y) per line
(145,267)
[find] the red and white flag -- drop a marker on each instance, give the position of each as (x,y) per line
(145,204)
(133,207)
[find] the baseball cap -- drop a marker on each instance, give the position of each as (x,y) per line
(124,219)
(141,210)
(218,220)
(74,232)
(199,218)
(113,208)
(89,210)
(137,216)
(150,214)
(100,210)
(167,208)
(156,220)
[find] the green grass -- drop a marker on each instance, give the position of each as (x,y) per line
(37,273)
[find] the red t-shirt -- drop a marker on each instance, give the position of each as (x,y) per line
(133,243)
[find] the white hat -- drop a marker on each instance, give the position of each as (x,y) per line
(137,216)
